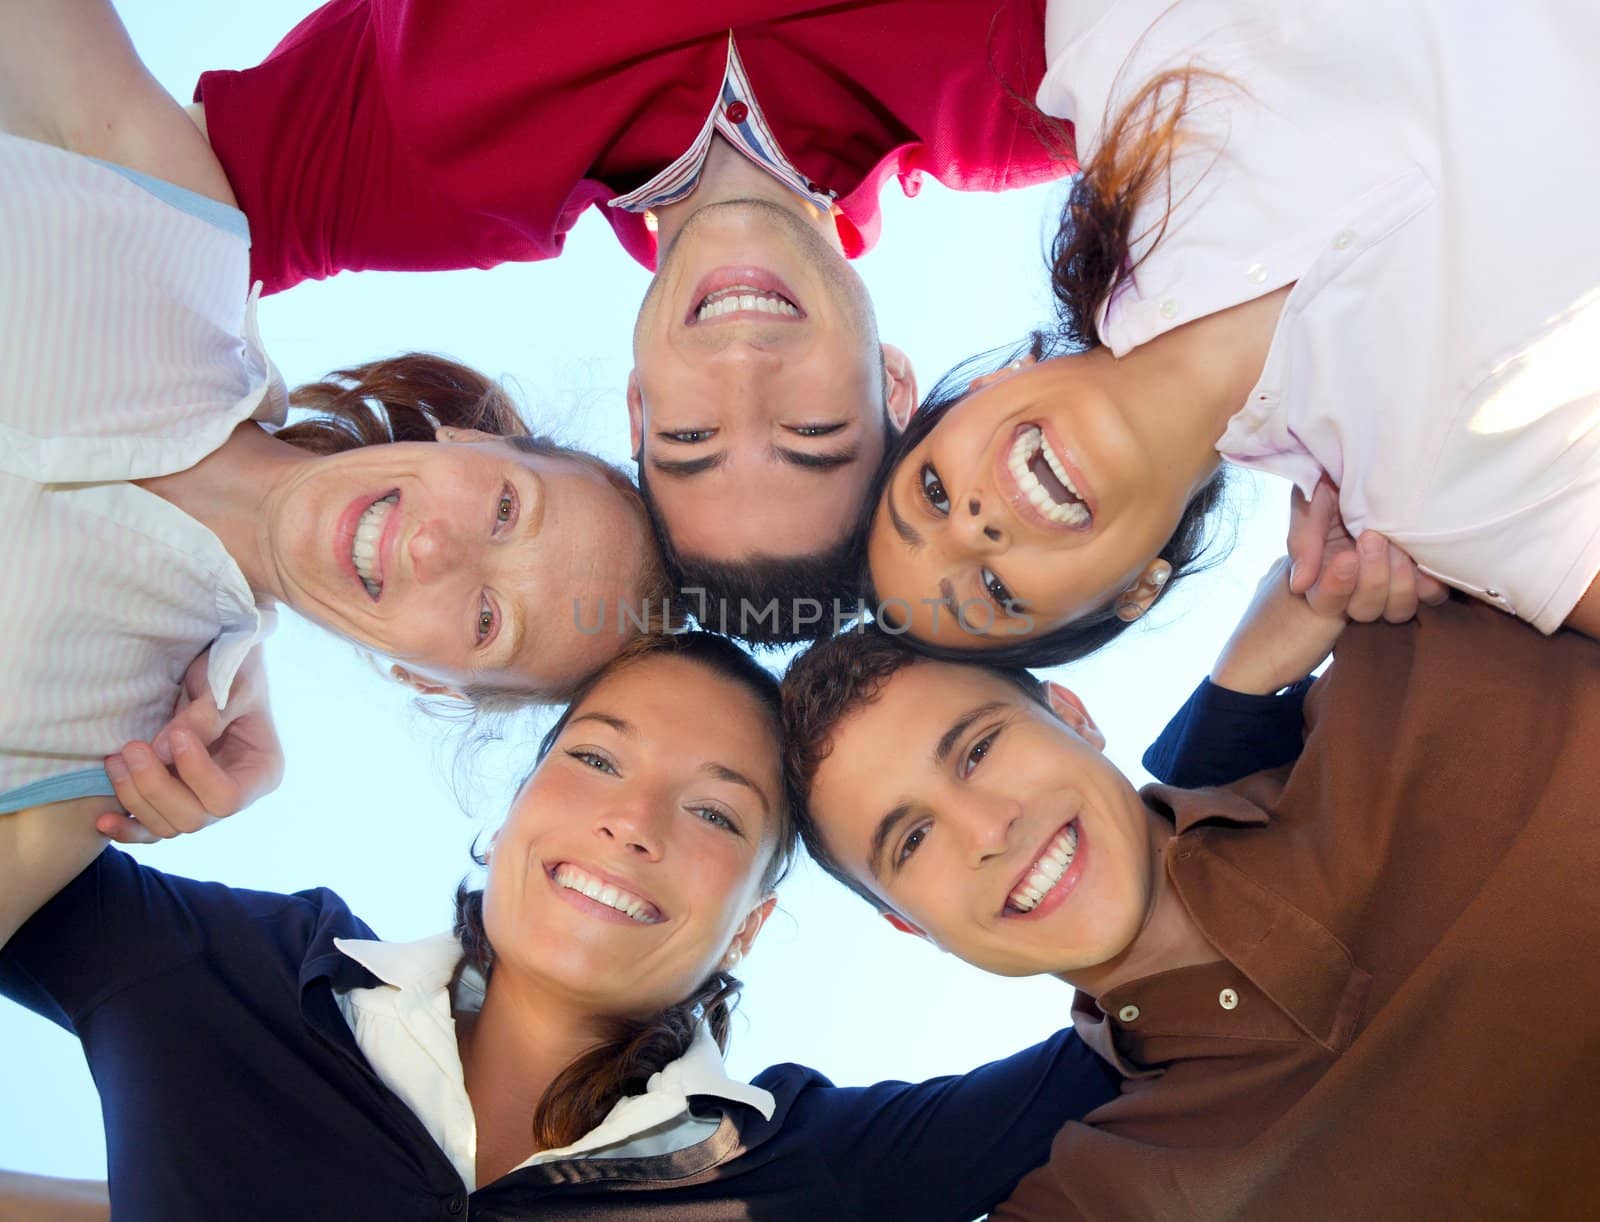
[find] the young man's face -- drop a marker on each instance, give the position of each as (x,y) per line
(988,822)
(759,391)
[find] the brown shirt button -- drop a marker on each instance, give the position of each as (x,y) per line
(1228,999)
(1128,1014)
(737,112)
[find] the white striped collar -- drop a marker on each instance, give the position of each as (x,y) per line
(737,117)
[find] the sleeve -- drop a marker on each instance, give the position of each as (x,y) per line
(1220,736)
(115,924)
(953,1147)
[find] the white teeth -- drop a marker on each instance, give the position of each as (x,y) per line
(1046,872)
(574,879)
(744,297)
(364,551)
(1031,441)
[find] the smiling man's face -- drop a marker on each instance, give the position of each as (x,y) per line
(760,401)
(987,821)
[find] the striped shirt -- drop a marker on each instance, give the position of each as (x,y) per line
(736,117)
(130,351)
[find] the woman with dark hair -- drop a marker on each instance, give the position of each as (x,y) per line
(557,1056)
(1286,252)
(157,508)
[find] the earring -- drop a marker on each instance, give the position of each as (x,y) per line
(731,959)
(1159,577)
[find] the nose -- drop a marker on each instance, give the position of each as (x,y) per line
(986,828)
(978,525)
(437,550)
(634,823)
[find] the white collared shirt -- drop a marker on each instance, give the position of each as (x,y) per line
(736,116)
(1411,169)
(406,1030)
(130,351)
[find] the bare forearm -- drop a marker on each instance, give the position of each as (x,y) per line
(42,849)
(38,1198)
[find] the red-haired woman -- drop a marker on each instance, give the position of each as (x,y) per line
(156,507)
(1335,241)
(261,1056)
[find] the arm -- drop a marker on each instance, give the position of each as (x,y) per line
(38,1198)
(69,76)
(953,1147)
(41,850)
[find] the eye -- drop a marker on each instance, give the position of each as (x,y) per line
(910,844)
(815,430)
(593,759)
(978,752)
(505,510)
(484,625)
(716,817)
(690,437)
(933,491)
(1002,596)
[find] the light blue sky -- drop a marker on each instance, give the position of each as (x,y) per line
(368,807)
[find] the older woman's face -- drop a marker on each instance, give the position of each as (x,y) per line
(632,860)
(469,563)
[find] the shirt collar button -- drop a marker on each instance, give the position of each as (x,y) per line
(1128,1014)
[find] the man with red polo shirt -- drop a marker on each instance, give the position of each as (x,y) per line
(746,142)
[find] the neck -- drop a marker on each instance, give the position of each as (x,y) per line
(511,1051)
(729,175)
(1179,390)
(231,492)
(1169,937)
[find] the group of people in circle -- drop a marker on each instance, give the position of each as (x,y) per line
(1292,242)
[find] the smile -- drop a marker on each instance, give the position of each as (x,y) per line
(1042,478)
(569,877)
(743,293)
(1050,876)
(366,551)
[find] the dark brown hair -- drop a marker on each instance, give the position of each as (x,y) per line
(411,396)
(823,686)
(586,1090)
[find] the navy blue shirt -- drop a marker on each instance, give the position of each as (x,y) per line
(233,1088)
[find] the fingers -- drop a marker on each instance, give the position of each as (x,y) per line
(1401,604)
(1372,580)
(1338,580)
(1431,590)
(116,826)
(164,804)
(1309,526)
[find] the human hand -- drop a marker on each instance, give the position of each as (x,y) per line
(204,764)
(1365,579)
(1280,639)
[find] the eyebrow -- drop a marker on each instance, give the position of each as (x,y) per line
(816,462)
(606,719)
(884,832)
(683,468)
(901,527)
(724,773)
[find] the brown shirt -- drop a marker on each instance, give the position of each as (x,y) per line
(1406,1020)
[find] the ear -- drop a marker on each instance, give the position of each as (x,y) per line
(899,386)
(1136,599)
(1066,705)
(745,938)
(904,926)
(635,416)
(423,686)
(454,436)
(1005,371)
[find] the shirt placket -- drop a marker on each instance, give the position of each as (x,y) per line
(739,119)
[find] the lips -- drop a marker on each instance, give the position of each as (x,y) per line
(1042,483)
(731,294)
(592,890)
(1050,877)
(366,525)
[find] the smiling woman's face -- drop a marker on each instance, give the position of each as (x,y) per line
(1030,504)
(632,860)
(471,563)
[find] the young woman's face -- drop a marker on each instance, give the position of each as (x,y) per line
(632,860)
(1031,503)
(469,563)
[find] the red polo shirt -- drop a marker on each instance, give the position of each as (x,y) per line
(430,134)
